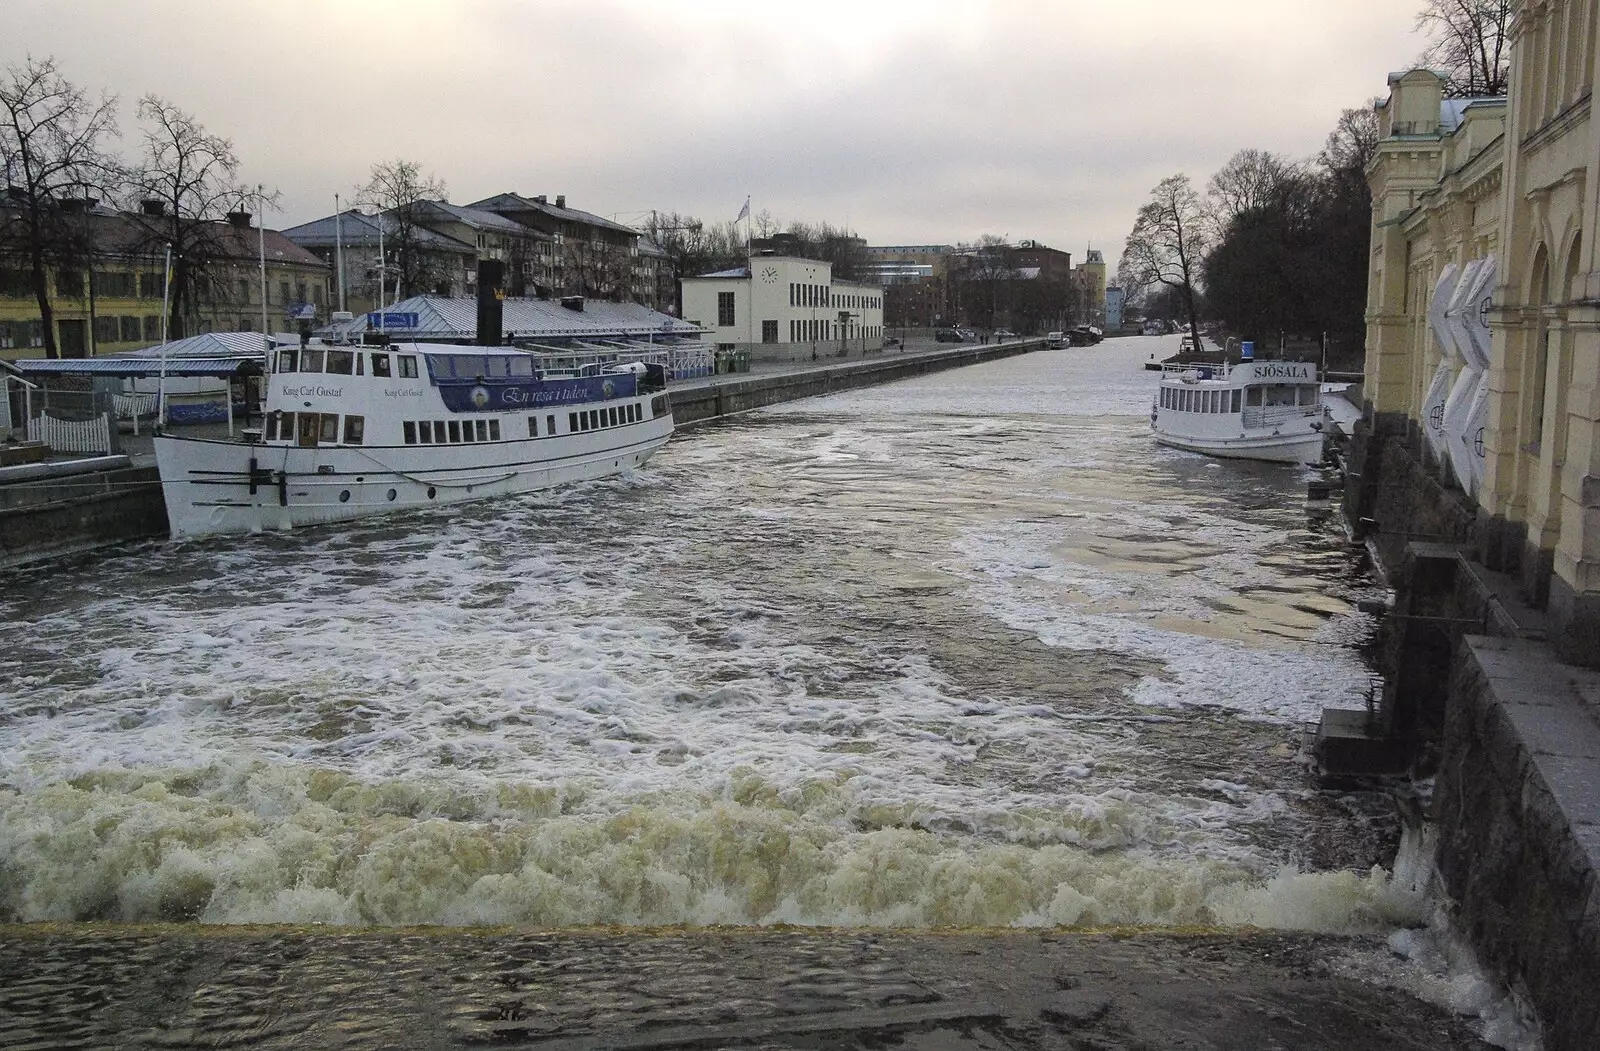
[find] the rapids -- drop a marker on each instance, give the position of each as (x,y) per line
(964,650)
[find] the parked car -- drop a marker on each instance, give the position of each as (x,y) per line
(1055,340)
(891,341)
(1003,333)
(948,335)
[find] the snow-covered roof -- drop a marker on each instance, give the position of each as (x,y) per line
(738,271)
(209,345)
(358,228)
(515,202)
(477,218)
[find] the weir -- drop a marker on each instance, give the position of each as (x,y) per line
(973,711)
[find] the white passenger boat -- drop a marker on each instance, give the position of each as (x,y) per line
(1253,410)
(352,431)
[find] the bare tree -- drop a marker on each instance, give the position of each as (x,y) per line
(1252,179)
(1353,142)
(395,190)
(1169,241)
(50,150)
(187,181)
(1469,40)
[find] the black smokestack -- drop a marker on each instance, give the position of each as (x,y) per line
(491,293)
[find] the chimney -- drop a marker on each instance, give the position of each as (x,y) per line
(152,206)
(561,200)
(241,219)
(540,199)
(573,303)
(491,308)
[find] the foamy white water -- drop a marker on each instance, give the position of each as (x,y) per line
(969,649)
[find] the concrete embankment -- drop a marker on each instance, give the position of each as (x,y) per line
(53,509)
(728,395)
(1476,697)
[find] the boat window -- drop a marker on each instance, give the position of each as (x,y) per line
(1308,395)
(425,433)
(594,420)
(1253,396)
(1236,396)
(286,426)
(328,430)
(455,431)
(1280,394)
(549,425)
(341,362)
(572,422)
(310,360)
(410,428)
(533,426)
(467,366)
(499,366)
(580,421)
(482,427)
(355,429)
(438,432)
(380,365)
(494,430)
(286,360)
(408,366)
(613,413)
(658,405)
(1214,401)
(269,427)
(361,363)
(521,366)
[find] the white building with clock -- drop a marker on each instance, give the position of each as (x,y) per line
(785,308)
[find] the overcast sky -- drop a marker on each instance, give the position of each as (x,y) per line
(914,121)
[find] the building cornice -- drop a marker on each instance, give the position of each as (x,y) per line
(1557,126)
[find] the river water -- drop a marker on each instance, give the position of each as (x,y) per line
(969,649)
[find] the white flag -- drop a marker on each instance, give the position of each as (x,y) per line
(743,211)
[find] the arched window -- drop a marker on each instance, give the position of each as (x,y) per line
(1539,296)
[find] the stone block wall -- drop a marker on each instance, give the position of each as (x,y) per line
(1518,811)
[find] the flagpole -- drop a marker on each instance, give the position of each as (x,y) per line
(261,239)
(166,299)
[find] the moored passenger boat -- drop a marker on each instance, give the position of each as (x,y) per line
(352,431)
(1254,410)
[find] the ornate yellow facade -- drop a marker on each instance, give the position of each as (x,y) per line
(1515,179)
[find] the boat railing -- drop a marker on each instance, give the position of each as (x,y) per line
(1268,415)
(1204,370)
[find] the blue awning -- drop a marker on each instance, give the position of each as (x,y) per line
(142,367)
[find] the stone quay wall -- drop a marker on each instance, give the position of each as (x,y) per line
(1477,695)
(725,396)
(47,517)
(1518,811)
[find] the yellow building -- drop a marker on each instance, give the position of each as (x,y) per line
(1501,192)
(114,304)
(1089,288)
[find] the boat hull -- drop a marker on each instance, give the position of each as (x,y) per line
(1288,448)
(220,487)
